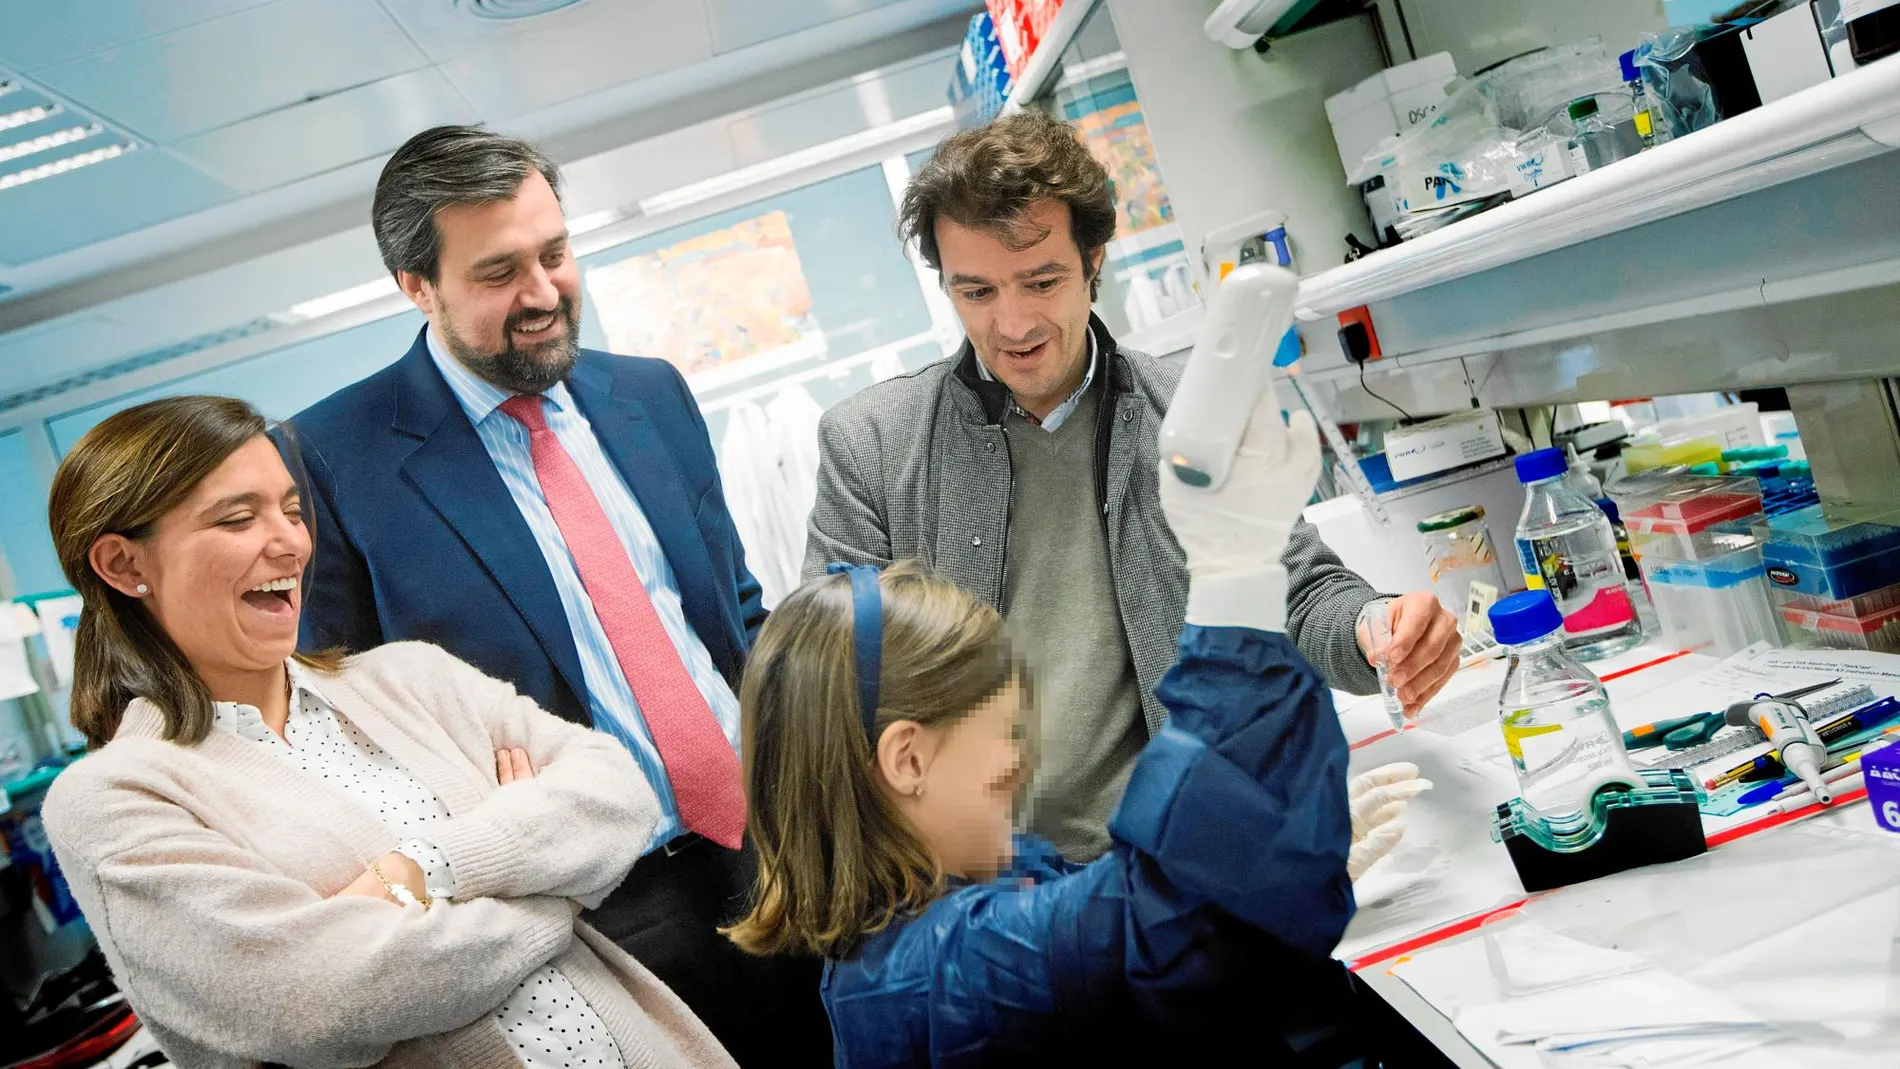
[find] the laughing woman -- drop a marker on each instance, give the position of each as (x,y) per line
(319,860)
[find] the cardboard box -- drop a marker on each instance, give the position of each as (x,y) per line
(1443,444)
(1390,102)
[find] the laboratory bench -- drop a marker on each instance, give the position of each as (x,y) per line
(1800,912)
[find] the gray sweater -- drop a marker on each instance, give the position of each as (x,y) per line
(917,467)
(207,873)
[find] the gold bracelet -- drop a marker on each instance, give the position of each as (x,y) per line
(402,894)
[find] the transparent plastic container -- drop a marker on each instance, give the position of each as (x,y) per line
(1683,516)
(1555,715)
(1566,546)
(1887,597)
(1718,606)
(1464,568)
(1646,456)
(1876,631)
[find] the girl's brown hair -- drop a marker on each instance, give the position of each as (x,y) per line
(837,861)
(122,477)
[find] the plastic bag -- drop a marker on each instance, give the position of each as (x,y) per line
(1455,165)
(1696,87)
(1533,90)
(1684,102)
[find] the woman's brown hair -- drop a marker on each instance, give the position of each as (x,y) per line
(837,861)
(122,477)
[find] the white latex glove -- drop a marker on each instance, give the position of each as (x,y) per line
(1233,536)
(1377,798)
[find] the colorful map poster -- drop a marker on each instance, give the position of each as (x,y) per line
(711,301)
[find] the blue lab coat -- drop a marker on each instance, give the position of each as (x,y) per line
(1210,921)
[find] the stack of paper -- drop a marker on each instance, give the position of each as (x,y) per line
(1644,1020)
(1524,995)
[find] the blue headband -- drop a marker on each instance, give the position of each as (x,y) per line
(867,635)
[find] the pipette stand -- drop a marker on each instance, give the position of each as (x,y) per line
(1661,822)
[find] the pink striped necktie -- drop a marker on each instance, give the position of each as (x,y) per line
(699,761)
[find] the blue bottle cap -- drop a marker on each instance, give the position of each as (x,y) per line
(1525,616)
(1543,464)
(1609,509)
(1627,61)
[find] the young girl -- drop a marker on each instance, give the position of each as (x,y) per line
(885,725)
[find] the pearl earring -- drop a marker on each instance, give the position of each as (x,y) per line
(143,589)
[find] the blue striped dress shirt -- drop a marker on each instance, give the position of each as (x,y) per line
(608,694)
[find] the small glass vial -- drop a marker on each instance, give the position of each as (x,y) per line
(1376,619)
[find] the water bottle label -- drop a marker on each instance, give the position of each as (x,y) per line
(1527,558)
(1592,599)
(1610,609)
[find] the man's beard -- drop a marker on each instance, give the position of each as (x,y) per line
(516,370)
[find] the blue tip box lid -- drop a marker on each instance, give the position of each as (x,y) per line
(1833,550)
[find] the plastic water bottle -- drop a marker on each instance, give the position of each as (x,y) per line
(1566,547)
(1564,744)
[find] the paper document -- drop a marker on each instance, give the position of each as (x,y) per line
(16,678)
(1469,700)
(1643,1020)
(59,621)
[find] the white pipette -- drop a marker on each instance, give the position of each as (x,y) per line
(1231,364)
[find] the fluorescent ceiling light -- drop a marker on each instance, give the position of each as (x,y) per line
(46,141)
(61,166)
(793,162)
(23,116)
(318,307)
(582,224)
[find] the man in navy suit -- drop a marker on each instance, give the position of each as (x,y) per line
(553,515)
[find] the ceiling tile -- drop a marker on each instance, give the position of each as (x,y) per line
(622,42)
(30,358)
(737,24)
(283,146)
(443,30)
(840,111)
(216,73)
(75,209)
(35,35)
(622,177)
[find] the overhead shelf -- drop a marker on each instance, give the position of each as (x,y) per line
(1828,126)
(1041,68)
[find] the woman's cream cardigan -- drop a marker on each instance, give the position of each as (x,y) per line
(206,873)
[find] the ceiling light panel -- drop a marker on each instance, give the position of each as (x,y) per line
(42,136)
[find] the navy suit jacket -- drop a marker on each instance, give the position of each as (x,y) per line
(418,538)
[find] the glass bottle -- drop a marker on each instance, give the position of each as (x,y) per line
(1566,546)
(1555,715)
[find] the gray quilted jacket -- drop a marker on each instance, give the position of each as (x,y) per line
(916,467)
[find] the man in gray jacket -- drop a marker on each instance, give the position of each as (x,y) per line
(1024,470)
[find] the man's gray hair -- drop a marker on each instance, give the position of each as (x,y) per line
(439,167)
